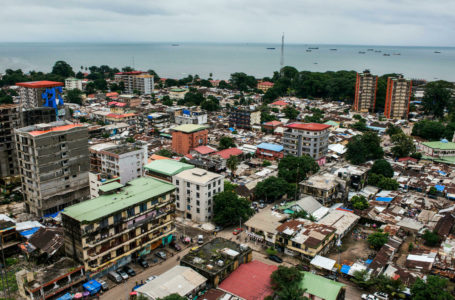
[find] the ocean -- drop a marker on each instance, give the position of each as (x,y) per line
(179,60)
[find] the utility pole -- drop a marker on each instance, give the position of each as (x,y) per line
(282,52)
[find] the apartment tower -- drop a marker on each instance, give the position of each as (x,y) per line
(365,92)
(398,98)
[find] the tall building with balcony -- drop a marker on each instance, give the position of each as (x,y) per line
(9,120)
(188,116)
(365,92)
(398,98)
(244,117)
(307,139)
(54,164)
(73,83)
(187,137)
(123,223)
(139,81)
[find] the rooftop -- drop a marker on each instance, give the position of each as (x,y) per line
(167,167)
(309,126)
(135,192)
(341,220)
(111,186)
(189,128)
(58,126)
(321,287)
(250,281)
(204,150)
(199,176)
(279,102)
(266,220)
(226,153)
(440,145)
(270,147)
(40,84)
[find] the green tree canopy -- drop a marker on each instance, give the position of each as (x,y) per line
(290,112)
(229,209)
(403,145)
(272,189)
(226,142)
(437,98)
(5,97)
(232,163)
(286,283)
(393,129)
(359,202)
(429,130)
(435,287)
(63,69)
(378,239)
(243,82)
(362,148)
(167,101)
(383,167)
(74,96)
(210,104)
(165,153)
(174,296)
(193,98)
(382,182)
(431,239)
(295,169)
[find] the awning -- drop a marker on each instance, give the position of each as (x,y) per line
(323,262)
(345,269)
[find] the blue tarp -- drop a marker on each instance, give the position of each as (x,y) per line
(345,269)
(92,286)
(231,129)
(384,199)
(67,296)
(30,231)
(368,261)
(270,147)
(442,173)
(440,188)
(54,215)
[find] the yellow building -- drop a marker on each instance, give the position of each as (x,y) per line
(123,223)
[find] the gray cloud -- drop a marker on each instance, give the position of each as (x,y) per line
(393,22)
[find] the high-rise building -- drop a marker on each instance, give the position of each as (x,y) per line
(38,115)
(307,139)
(398,98)
(105,233)
(139,81)
(187,137)
(9,120)
(54,164)
(244,117)
(195,191)
(365,92)
(73,83)
(42,93)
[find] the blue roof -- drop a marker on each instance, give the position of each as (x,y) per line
(442,173)
(384,199)
(368,261)
(440,188)
(345,269)
(271,147)
(231,129)
(92,286)
(67,296)
(375,128)
(30,231)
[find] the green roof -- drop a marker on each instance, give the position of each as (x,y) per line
(332,123)
(189,128)
(440,145)
(321,287)
(178,90)
(135,192)
(445,159)
(110,186)
(167,167)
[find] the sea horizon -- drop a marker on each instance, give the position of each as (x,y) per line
(179,59)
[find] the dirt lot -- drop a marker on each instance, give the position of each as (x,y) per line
(354,246)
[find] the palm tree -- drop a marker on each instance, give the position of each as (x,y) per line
(232,164)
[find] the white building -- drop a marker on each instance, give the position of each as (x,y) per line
(73,83)
(191,117)
(195,189)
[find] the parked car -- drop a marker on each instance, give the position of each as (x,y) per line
(128,270)
(237,231)
(151,278)
(303,267)
(115,277)
(142,262)
(368,297)
(161,254)
(218,228)
(262,205)
(275,259)
(200,239)
(381,296)
(175,246)
(123,274)
(104,285)
(331,277)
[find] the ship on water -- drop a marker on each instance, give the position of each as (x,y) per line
(270,48)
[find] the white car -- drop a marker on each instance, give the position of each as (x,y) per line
(381,296)
(368,297)
(151,278)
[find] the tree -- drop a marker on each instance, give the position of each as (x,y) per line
(171,82)
(242,82)
(167,101)
(63,69)
(359,202)
(290,112)
(431,239)
(130,140)
(226,142)
(429,130)
(383,167)
(437,98)
(362,148)
(210,104)
(266,163)
(5,97)
(403,145)
(174,296)
(286,283)
(393,129)
(378,239)
(272,189)
(193,98)
(74,96)
(165,153)
(229,209)
(360,126)
(362,279)
(271,251)
(295,169)
(90,88)
(229,186)
(232,164)
(383,182)
(155,75)
(435,287)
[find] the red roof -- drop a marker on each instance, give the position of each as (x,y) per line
(204,150)
(40,84)
(250,281)
(120,116)
(120,104)
(309,126)
(226,153)
(267,83)
(407,159)
(112,94)
(279,102)
(189,156)
(57,128)
(273,123)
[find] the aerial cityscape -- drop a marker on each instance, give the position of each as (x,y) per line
(273,164)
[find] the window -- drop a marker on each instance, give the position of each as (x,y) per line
(197,210)
(188,207)
(187,184)
(188,192)
(177,182)
(197,187)
(154,201)
(209,209)
(198,203)
(210,186)
(210,194)
(219,190)
(209,202)
(197,195)
(130,211)
(143,207)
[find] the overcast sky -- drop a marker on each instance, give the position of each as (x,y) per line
(367,22)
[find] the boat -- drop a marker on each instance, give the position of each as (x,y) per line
(315,63)
(362,52)
(437,52)
(386,54)
(377,51)
(334,49)
(314,48)
(370,49)
(397,54)
(175,45)
(308,50)
(270,48)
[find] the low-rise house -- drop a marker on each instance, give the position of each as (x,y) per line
(422,262)
(385,256)
(319,288)
(262,226)
(343,221)
(269,151)
(326,188)
(165,169)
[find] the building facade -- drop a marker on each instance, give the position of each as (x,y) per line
(42,93)
(195,189)
(138,81)
(269,151)
(54,164)
(124,223)
(365,92)
(187,116)
(244,117)
(398,98)
(307,139)
(38,115)
(73,83)
(9,120)
(187,137)
(265,85)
